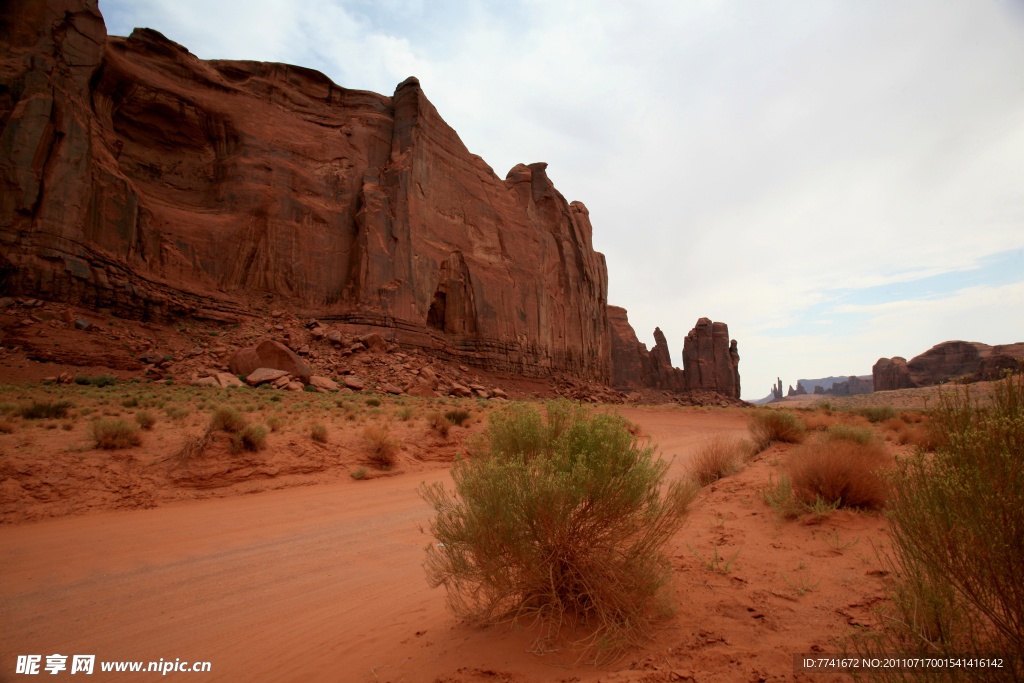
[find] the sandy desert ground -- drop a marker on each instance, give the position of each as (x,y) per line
(319,577)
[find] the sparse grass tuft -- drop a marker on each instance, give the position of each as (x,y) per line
(767,426)
(145,419)
(438,422)
(876,413)
(193,447)
(778,495)
(457,416)
(860,435)
(318,433)
(372,401)
(383,449)
(716,457)
(46,410)
(227,419)
(839,471)
(250,438)
(816,421)
(114,434)
(405,414)
(359,473)
(275,422)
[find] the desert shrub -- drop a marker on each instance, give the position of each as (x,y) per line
(817,421)
(456,416)
(876,413)
(438,422)
(839,471)
(131,402)
(145,419)
(559,521)
(104,380)
(227,419)
(861,435)
(194,446)
(176,412)
(7,427)
(716,457)
(894,423)
(250,438)
(919,435)
(768,426)
(309,388)
(372,401)
(957,524)
(318,432)
(358,473)
(113,434)
(383,450)
(275,422)
(405,414)
(350,415)
(46,410)
(81,379)
(914,416)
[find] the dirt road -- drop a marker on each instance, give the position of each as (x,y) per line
(314,583)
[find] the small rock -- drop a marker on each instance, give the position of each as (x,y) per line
(294,386)
(482,393)
(498,393)
(304,350)
(334,337)
(374,342)
(82,324)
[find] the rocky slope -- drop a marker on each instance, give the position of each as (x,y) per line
(947,361)
(140,180)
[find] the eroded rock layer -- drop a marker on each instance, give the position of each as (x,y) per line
(710,361)
(139,178)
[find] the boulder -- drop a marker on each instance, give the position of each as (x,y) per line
(460,391)
(226,380)
(374,342)
(261,375)
(710,361)
(389,388)
(354,383)
(498,393)
(206,382)
(421,390)
(269,354)
(323,383)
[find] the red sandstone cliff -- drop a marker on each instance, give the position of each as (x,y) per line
(710,361)
(139,178)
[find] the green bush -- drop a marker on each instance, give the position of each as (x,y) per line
(145,419)
(876,413)
(559,521)
(46,410)
(768,425)
(860,435)
(227,419)
(309,388)
(250,438)
(105,380)
(130,402)
(957,527)
(373,401)
(457,416)
(81,379)
(114,434)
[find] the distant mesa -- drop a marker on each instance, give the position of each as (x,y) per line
(950,360)
(850,385)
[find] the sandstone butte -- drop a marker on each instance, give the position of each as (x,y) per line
(710,360)
(138,178)
(950,360)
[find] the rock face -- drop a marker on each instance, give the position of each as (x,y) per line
(799,391)
(946,361)
(663,374)
(851,387)
(777,389)
(891,373)
(139,178)
(630,363)
(710,362)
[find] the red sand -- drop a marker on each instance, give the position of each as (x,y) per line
(325,583)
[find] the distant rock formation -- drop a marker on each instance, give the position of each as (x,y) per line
(777,389)
(851,387)
(947,361)
(799,391)
(710,360)
(819,390)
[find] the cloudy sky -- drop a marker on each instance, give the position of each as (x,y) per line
(838,181)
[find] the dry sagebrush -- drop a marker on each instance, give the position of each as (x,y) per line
(839,471)
(558,521)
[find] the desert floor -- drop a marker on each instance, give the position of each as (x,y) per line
(317,576)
